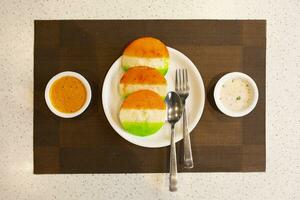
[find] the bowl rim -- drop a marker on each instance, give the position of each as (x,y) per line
(217,90)
(84,82)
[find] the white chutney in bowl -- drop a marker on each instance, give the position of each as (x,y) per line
(236,94)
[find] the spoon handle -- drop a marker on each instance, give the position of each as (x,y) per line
(173,163)
(187,154)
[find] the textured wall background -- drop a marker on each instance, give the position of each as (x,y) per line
(282,179)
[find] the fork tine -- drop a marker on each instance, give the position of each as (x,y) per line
(187,80)
(179,79)
(176,80)
(183,80)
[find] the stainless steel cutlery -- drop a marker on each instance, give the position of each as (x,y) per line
(182,89)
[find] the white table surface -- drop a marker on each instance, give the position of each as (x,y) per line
(280,181)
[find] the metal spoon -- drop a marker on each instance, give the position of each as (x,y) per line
(174,113)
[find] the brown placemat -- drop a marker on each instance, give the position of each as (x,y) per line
(87,144)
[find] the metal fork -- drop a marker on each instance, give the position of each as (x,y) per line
(182,89)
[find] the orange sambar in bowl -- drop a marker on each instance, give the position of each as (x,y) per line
(68,94)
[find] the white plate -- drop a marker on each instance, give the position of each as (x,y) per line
(111,101)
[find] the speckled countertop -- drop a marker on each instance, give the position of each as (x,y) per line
(282,179)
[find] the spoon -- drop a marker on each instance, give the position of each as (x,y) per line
(174,112)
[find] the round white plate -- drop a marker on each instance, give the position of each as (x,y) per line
(111,101)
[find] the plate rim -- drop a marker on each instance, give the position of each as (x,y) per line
(193,125)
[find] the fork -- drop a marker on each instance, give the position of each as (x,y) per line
(182,89)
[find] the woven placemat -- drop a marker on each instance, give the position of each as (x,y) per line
(87,144)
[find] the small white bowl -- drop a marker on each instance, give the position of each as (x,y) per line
(84,82)
(217,93)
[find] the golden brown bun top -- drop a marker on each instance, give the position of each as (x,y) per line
(143,75)
(146,47)
(144,99)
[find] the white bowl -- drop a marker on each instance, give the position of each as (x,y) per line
(217,93)
(84,82)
